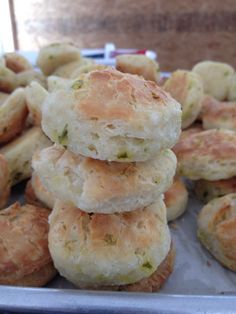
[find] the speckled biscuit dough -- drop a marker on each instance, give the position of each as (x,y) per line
(175,199)
(25,259)
(208,155)
(13,113)
(101,186)
(55,55)
(217,229)
(113,116)
(216,77)
(25,78)
(35,96)
(55,83)
(208,190)
(187,88)
(19,153)
(140,65)
(107,250)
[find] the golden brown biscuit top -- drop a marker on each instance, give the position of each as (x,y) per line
(178,85)
(23,240)
(110,94)
(218,144)
(98,232)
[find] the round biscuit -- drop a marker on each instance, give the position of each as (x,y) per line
(208,155)
(140,65)
(108,250)
(8,81)
(24,244)
(66,70)
(217,229)
(101,186)
(208,190)
(16,62)
(113,116)
(56,55)
(187,88)
(13,114)
(216,77)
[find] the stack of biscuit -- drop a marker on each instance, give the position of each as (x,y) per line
(108,170)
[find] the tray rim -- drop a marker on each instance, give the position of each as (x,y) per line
(51,300)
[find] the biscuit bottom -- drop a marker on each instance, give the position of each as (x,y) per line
(150,284)
(38,278)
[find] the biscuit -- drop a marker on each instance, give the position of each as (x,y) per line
(55,83)
(13,113)
(218,115)
(187,88)
(86,69)
(217,229)
(208,190)
(36,194)
(4,182)
(140,65)
(216,78)
(67,69)
(101,186)
(175,199)
(232,88)
(25,259)
(16,62)
(208,155)
(130,119)
(35,96)
(8,81)
(107,250)
(19,153)
(55,55)
(25,78)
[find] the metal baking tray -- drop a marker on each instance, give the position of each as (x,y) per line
(198,284)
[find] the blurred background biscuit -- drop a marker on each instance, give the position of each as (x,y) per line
(216,77)
(208,155)
(13,114)
(217,229)
(4,182)
(187,88)
(19,153)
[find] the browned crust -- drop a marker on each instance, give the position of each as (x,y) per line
(38,278)
(157,279)
(217,144)
(177,86)
(15,125)
(4,182)
(119,95)
(17,63)
(23,242)
(151,284)
(176,191)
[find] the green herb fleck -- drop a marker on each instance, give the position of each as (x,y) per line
(77,84)
(147,265)
(123,155)
(63,137)
(109,239)
(50,57)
